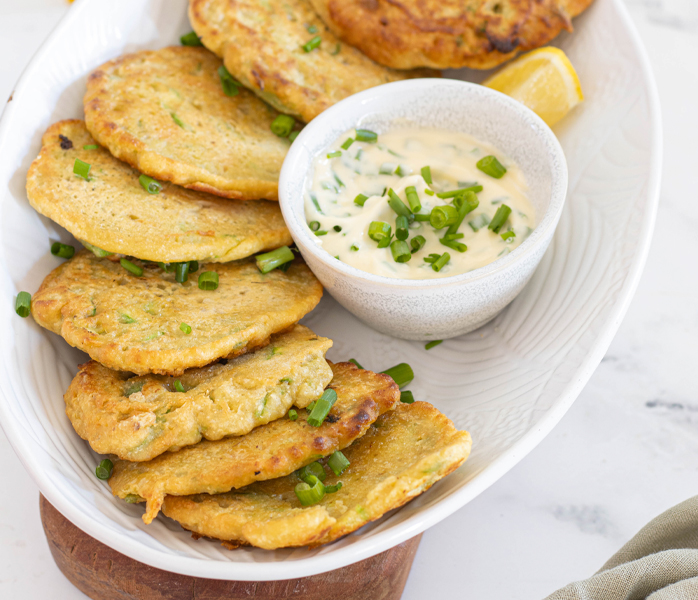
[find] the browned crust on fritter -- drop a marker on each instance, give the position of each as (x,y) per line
(408,450)
(113,212)
(85,300)
(480,34)
(270,451)
(139,417)
(229,149)
(261,45)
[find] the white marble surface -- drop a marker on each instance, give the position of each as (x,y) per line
(626,450)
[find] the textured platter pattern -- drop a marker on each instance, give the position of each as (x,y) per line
(507,383)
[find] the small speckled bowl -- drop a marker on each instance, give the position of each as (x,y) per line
(450,306)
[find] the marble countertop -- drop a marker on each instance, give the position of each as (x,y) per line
(623,453)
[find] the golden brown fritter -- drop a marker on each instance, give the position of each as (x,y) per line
(225,145)
(480,34)
(133,323)
(138,418)
(261,43)
(401,456)
(113,212)
(272,450)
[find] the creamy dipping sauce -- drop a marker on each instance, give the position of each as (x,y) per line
(348,171)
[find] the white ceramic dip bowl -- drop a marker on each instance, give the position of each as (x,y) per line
(449,306)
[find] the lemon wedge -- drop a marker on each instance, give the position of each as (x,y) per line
(544,80)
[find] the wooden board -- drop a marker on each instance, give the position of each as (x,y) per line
(105,574)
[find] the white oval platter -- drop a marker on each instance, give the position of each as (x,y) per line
(508,383)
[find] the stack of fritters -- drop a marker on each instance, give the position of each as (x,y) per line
(197,354)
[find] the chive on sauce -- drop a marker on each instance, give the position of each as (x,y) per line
(416,203)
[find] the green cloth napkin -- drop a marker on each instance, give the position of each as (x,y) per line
(659,563)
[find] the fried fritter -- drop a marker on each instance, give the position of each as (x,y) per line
(261,43)
(134,323)
(272,450)
(113,212)
(480,34)
(401,456)
(138,418)
(224,146)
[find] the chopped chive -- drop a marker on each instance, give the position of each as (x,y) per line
(429,192)
(90,147)
(190,39)
(387,168)
(406,397)
(178,386)
(500,217)
(335,154)
(271,260)
(442,216)
(403,170)
(402,231)
(508,236)
(311,28)
(23,304)
(282,125)
(482,220)
(465,204)
(385,242)
(430,345)
(314,225)
(62,250)
(358,154)
(453,245)
(322,408)
(366,135)
(331,489)
(127,319)
(228,82)
(439,264)
(98,252)
(208,280)
(400,251)
(338,463)
(316,204)
(167,267)
(348,142)
(449,237)
(293,135)
(149,184)
(312,44)
(354,248)
(293,414)
(177,120)
(311,406)
(337,228)
(432,258)
(491,166)
(360,200)
(399,206)
(419,217)
(131,267)
(310,493)
(82,169)
(193,266)
(314,469)
(321,232)
(355,362)
(426,174)
(453,193)
(335,50)
(379,230)
(402,374)
(413,198)
(104,469)
(181,272)
(338,180)
(186,329)
(417,243)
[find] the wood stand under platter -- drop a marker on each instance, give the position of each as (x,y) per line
(105,574)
